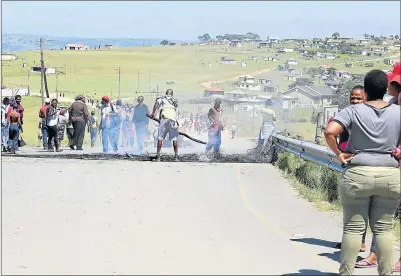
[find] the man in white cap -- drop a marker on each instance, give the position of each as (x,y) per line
(42,122)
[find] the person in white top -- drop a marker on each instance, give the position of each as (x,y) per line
(4,128)
(51,122)
(234,130)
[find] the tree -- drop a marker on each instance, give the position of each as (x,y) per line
(336,35)
(204,38)
(164,43)
(397,37)
(342,94)
(219,37)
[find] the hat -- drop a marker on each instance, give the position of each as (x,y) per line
(396,78)
(390,76)
(397,69)
(106,98)
(47,100)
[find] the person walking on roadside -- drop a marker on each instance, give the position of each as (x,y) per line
(370,187)
(215,128)
(51,122)
(268,119)
(4,127)
(18,100)
(93,128)
(42,123)
(107,126)
(168,107)
(233,130)
(141,122)
(61,125)
(78,116)
(14,128)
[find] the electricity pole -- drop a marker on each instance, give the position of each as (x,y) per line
(149,82)
(65,68)
(29,92)
(56,86)
(42,73)
(138,82)
(119,81)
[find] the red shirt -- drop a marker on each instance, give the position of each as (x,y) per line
(42,111)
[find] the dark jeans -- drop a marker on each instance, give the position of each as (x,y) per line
(45,135)
(53,131)
(79,134)
(140,129)
(13,136)
(373,245)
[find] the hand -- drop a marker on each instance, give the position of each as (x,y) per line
(397,153)
(152,116)
(345,157)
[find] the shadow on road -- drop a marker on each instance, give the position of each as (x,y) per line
(311,272)
(316,242)
(332,256)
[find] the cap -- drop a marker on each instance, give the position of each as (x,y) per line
(47,100)
(396,78)
(390,76)
(106,98)
(397,69)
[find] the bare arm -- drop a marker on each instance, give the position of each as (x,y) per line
(332,131)
(155,107)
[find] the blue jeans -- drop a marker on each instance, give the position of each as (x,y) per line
(45,135)
(140,129)
(214,141)
(110,135)
(13,137)
(93,133)
(4,135)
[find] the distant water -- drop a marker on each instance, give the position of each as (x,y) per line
(16,43)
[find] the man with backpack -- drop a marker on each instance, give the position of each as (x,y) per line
(110,124)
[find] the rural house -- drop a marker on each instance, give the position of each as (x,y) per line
(213,91)
(76,47)
(225,60)
(292,61)
(248,83)
(235,43)
(311,95)
(264,81)
(8,57)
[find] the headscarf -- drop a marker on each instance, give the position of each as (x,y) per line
(79,97)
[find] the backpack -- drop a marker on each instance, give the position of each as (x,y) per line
(115,118)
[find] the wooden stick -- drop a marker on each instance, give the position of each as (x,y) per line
(180,133)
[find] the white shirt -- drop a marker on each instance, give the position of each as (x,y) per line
(52,120)
(104,112)
(234,127)
(3,114)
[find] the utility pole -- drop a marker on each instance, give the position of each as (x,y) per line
(65,68)
(138,82)
(56,86)
(42,73)
(119,82)
(29,92)
(149,82)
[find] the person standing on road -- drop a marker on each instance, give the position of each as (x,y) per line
(370,187)
(18,100)
(107,111)
(233,130)
(42,123)
(14,128)
(268,119)
(61,125)
(141,122)
(51,123)
(168,107)
(4,128)
(93,128)
(79,116)
(215,128)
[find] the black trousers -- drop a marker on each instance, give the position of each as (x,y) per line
(53,134)
(79,134)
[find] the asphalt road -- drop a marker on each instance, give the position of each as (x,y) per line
(124,217)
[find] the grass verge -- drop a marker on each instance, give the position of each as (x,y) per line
(317,184)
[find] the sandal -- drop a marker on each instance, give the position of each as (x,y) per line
(365,264)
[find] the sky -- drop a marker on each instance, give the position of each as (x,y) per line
(181,20)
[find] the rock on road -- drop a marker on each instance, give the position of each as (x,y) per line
(124,217)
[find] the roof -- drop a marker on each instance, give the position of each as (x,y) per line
(75,45)
(313,91)
(214,89)
(239,92)
(247,76)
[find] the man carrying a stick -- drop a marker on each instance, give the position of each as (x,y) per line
(168,121)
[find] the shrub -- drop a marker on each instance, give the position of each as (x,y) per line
(329,182)
(309,174)
(288,162)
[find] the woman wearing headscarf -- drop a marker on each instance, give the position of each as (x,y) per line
(370,187)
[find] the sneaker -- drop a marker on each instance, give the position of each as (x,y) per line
(176,159)
(79,149)
(158,158)
(59,150)
(50,149)
(72,147)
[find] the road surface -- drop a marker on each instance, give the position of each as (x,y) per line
(124,217)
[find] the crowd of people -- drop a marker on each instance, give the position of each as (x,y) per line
(12,120)
(366,137)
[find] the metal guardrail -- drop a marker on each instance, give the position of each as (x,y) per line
(320,155)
